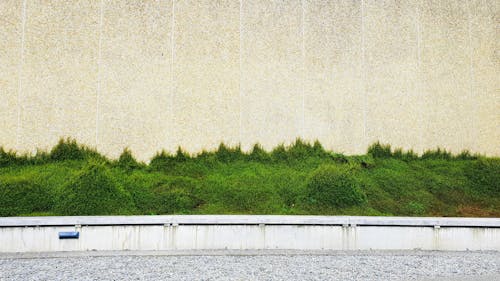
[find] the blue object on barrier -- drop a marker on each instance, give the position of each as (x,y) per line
(69,235)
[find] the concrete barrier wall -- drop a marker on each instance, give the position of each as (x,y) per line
(158,74)
(248,232)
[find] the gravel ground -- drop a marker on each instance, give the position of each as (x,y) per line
(252,265)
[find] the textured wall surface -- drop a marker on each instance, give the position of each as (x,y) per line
(157,74)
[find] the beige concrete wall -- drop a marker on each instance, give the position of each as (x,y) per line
(10,68)
(156,74)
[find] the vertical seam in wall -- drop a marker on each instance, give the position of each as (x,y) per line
(99,57)
(172,76)
(19,86)
(471,78)
(303,71)
(419,78)
(365,103)
(240,96)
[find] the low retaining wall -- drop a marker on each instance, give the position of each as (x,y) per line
(41,234)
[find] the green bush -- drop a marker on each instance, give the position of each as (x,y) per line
(228,154)
(227,180)
(378,150)
(164,161)
(10,158)
(246,192)
(69,149)
(335,186)
(414,209)
(258,154)
(437,154)
(298,151)
(160,194)
(21,197)
(484,176)
(7,158)
(175,197)
(127,161)
(93,191)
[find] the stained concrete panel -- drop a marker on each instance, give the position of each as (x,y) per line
(333,85)
(446,76)
(58,91)
(206,74)
(483,23)
(391,71)
(135,77)
(10,63)
(272,67)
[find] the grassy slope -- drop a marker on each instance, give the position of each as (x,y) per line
(228,181)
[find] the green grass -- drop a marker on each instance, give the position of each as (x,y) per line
(301,178)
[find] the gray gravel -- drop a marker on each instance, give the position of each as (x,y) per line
(252,265)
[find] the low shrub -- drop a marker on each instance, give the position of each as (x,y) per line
(363,161)
(127,161)
(484,176)
(378,150)
(93,191)
(69,149)
(467,155)
(175,197)
(258,154)
(438,153)
(246,192)
(21,196)
(335,186)
(163,160)
(229,154)
(7,158)
(298,151)
(286,180)
(161,194)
